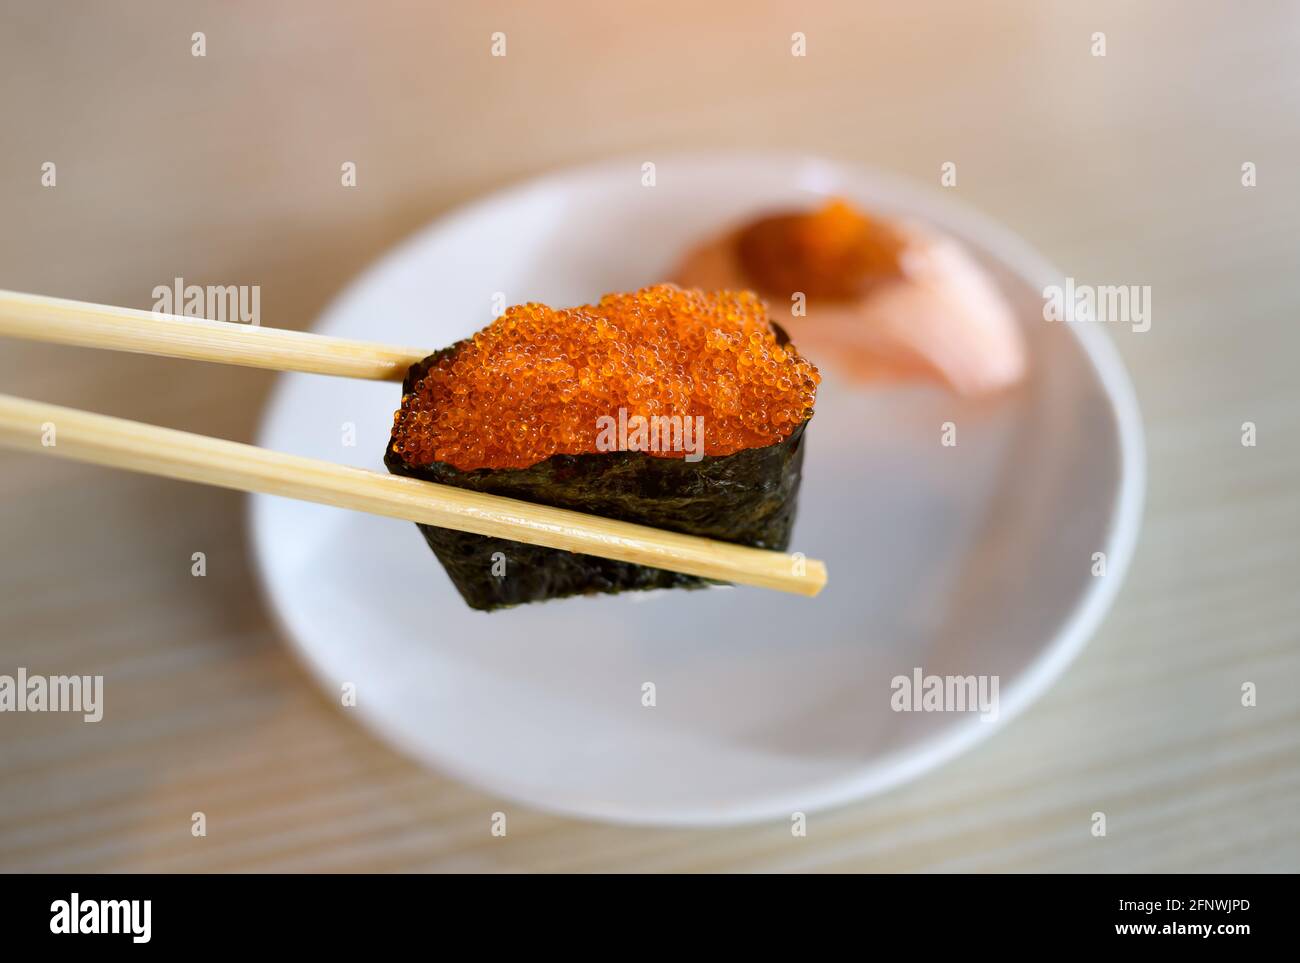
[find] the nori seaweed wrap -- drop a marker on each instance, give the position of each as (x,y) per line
(746,496)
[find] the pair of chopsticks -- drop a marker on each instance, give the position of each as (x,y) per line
(120,443)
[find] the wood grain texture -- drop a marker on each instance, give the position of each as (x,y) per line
(225,170)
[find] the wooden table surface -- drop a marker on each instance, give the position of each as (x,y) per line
(224,169)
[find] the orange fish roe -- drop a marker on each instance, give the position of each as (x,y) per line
(835,252)
(537,380)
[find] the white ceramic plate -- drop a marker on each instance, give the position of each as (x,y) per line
(973,559)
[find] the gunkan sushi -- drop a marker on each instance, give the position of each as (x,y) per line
(672,408)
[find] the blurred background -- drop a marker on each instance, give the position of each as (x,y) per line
(224,169)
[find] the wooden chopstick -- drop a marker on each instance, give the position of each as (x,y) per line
(61,321)
(119,443)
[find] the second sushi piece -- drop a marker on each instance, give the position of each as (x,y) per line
(672,408)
